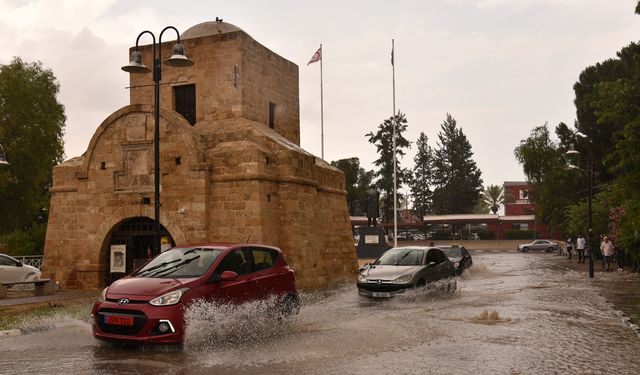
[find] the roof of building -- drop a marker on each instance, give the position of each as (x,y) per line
(209,28)
(515,183)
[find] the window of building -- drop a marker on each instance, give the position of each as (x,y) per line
(272,115)
(185,102)
(520,226)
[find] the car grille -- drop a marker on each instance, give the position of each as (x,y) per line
(139,319)
(384,287)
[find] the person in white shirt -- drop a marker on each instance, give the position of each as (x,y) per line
(607,251)
(580,246)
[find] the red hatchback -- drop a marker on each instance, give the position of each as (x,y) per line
(148,306)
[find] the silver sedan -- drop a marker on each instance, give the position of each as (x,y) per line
(540,245)
(403,268)
(12,271)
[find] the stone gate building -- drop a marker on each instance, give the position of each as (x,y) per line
(232,170)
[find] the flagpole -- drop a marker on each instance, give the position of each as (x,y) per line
(321,109)
(395,179)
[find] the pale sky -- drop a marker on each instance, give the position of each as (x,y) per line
(500,67)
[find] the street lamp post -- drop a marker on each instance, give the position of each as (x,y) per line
(177,59)
(590,196)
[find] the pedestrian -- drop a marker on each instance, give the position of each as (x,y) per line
(580,245)
(620,256)
(569,247)
(607,249)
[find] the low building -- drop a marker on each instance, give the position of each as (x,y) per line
(232,170)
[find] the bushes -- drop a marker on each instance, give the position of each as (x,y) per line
(516,234)
(29,241)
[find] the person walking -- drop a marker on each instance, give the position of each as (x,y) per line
(580,245)
(569,247)
(607,249)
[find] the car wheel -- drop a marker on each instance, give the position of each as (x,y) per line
(290,306)
(550,249)
(420,283)
(525,249)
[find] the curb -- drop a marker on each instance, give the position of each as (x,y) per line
(10,333)
(627,321)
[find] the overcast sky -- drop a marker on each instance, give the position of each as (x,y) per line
(499,67)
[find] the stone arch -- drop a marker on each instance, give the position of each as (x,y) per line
(111,223)
(168,115)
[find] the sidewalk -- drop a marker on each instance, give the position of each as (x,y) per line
(621,289)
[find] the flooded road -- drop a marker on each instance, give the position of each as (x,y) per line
(512,314)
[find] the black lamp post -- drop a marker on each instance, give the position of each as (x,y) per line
(177,59)
(590,196)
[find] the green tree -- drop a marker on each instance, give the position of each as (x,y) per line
(357,181)
(422,178)
(493,197)
(457,179)
(32,123)
(383,139)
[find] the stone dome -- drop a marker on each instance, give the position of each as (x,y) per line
(209,28)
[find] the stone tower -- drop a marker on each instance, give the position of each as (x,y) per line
(232,169)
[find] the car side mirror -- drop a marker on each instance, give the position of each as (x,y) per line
(19,264)
(228,276)
(364,266)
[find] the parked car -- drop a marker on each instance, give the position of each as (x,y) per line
(545,245)
(149,305)
(459,256)
(402,268)
(13,271)
(405,236)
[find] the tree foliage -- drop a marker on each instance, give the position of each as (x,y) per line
(456,177)
(31,128)
(357,181)
(493,197)
(383,139)
(422,179)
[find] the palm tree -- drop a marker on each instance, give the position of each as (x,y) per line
(493,196)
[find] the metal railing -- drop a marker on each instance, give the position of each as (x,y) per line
(31,260)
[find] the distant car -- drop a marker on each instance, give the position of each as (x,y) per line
(148,306)
(539,245)
(13,271)
(419,237)
(405,236)
(403,268)
(459,256)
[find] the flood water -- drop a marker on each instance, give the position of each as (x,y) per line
(512,314)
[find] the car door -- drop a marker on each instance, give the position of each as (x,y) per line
(9,270)
(265,279)
(237,290)
(444,266)
(432,272)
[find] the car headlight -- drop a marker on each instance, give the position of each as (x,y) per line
(103,295)
(361,277)
(403,279)
(168,299)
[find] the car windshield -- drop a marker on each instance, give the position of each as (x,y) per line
(452,252)
(180,263)
(400,257)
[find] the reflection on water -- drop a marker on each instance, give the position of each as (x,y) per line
(511,313)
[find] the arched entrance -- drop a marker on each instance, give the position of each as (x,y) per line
(130,246)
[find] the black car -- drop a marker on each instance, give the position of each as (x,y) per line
(459,256)
(403,268)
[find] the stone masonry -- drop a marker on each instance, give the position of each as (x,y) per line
(230,177)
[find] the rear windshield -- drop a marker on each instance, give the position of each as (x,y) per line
(452,252)
(401,257)
(180,263)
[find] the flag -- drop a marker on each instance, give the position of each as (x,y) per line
(316,56)
(392,55)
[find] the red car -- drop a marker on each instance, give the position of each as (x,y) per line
(148,306)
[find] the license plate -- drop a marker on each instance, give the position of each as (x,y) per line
(381,294)
(119,320)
